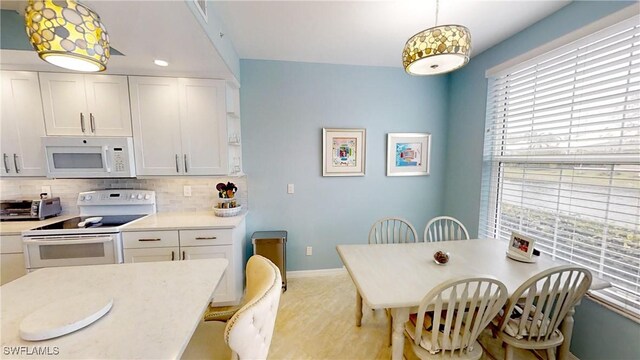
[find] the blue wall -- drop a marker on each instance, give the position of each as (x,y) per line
(599,332)
(285,105)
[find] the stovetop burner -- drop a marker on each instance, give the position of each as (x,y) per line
(108,221)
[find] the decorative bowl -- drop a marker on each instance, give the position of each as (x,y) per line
(441,257)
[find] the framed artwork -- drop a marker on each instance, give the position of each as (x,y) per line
(520,247)
(343,152)
(408,154)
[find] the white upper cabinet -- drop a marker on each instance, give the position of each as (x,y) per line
(77,104)
(203,126)
(179,126)
(156,129)
(108,102)
(21,124)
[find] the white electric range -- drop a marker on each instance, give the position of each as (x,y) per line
(94,237)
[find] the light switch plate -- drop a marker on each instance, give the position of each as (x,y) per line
(187,190)
(309,250)
(290,189)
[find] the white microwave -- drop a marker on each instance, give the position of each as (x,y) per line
(89,157)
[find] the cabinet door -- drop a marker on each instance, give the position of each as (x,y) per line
(11,267)
(224,292)
(65,104)
(156,125)
(151,254)
(108,104)
(22,125)
(203,126)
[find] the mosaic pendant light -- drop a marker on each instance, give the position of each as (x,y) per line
(437,50)
(67,34)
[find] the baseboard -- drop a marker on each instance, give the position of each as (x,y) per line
(314,273)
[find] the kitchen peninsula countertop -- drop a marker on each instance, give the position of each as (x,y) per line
(17,227)
(184,221)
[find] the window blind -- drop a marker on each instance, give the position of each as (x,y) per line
(562,157)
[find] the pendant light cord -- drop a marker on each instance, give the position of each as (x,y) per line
(437,10)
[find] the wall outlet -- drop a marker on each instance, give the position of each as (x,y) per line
(309,250)
(290,189)
(46,189)
(187,190)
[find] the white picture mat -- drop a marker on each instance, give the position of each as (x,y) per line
(328,136)
(424,139)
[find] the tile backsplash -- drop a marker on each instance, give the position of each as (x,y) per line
(169,191)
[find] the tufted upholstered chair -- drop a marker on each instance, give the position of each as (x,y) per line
(249,331)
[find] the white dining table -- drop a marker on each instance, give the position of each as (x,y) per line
(398,276)
(156,308)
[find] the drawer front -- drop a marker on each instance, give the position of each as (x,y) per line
(205,237)
(149,239)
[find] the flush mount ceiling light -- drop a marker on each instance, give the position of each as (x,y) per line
(160,62)
(67,34)
(437,50)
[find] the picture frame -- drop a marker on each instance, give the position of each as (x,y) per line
(343,152)
(408,154)
(521,247)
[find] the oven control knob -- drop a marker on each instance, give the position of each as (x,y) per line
(147,197)
(133,196)
(81,197)
(88,197)
(139,196)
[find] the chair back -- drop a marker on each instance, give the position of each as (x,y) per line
(248,333)
(548,297)
(444,228)
(460,309)
(392,231)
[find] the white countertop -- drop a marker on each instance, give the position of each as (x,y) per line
(158,221)
(156,307)
(184,221)
(17,227)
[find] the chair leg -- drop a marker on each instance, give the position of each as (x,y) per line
(551,354)
(508,352)
(358,309)
(390,329)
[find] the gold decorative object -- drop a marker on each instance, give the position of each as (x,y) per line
(437,50)
(67,34)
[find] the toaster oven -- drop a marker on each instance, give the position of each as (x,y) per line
(39,209)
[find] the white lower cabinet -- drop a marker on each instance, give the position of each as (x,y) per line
(224,292)
(178,245)
(11,258)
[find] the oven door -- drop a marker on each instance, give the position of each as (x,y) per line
(73,250)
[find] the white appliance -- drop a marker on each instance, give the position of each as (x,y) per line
(89,157)
(94,237)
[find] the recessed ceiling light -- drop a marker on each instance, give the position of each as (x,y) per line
(160,62)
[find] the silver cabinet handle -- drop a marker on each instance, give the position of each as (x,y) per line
(173,255)
(6,166)
(82,122)
(149,239)
(177,166)
(15,163)
(92,122)
(184,256)
(206,238)
(186,167)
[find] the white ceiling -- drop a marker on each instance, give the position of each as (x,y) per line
(365,32)
(142,31)
(339,32)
